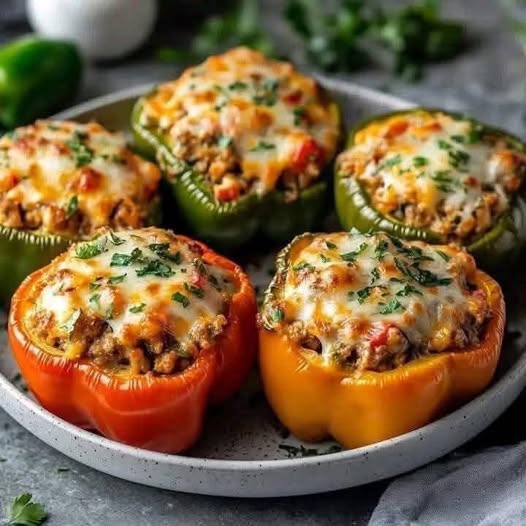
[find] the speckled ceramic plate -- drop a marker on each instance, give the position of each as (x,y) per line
(244,452)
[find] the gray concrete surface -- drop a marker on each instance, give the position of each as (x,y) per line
(488,80)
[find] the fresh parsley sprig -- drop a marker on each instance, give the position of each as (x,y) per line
(25,512)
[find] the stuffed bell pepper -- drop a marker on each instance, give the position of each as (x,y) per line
(245,143)
(439,177)
(61,181)
(365,337)
(133,334)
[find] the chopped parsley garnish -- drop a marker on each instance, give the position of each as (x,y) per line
(363,294)
(421,276)
(95,284)
(73,206)
(181,298)
(196,291)
(458,138)
(420,161)
(161,249)
(277,314)
(381,249)
(392,161)
(91,249)
(82,154)
(443,255)
(408,290)
(237,85)
(224,141)
(302,265)
(474,135)
(24,512)
(116,240)
(262,146)
(299,115)
(213,280)
(375,275)
(392,307)
(124,260)
(324,258)
(115,280)
(267,94)
(330,246)
(137,308)
(443,145)
(157,268)
(351,256)
(95,301)
(69,326)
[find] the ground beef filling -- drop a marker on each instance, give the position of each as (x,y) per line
(51,218)
(161,354)
(385,347)
(218,160)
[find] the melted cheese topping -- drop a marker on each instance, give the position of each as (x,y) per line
(265,113)
(375,300)
(146,285)
(68,178)
(432,170)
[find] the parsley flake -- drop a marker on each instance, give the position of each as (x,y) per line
(299,115)
(351,256)
(69,326)
(136,309)
(181,298)
(262,146)
(224,141)
(277,314)
(157,268)
(443,255)
(408,290)
(82,154)
(124,260)
(91,249)
(196,291)
(392,307)
(73,206)
(115,280)
(116,240)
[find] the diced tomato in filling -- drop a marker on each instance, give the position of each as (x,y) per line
(397,128)
(293,98)
(226,193)
(379,338)
(309,151)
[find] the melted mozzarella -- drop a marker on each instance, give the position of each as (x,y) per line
(264,106)
(343,287)
(51,162)
(172,296)
(435,162)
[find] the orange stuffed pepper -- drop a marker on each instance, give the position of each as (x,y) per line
(134,334)
(366,337)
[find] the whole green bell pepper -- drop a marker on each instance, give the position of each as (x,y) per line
(230,224)
(493,250)
(37,76)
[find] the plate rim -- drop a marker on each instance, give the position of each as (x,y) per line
(513,377)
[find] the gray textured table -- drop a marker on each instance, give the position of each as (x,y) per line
(488,80)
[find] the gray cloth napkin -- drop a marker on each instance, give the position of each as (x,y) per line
(485,489)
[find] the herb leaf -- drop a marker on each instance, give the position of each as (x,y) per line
(73,207)
(114,280)
(392,307)
(69,326)
(155,268)
(136,309)
(350,257)
(91,249)
(181,298)
(196,291)
(24,512)
(124,260)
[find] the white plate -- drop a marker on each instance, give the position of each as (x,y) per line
(242,453)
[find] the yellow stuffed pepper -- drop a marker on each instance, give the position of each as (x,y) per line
(366,337)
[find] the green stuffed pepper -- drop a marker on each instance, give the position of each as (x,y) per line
(245,143)
(37,76)
(439,177)
(61,181)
